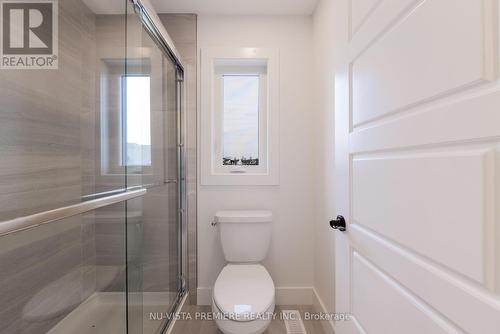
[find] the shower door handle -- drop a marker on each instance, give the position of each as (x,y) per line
(338,224)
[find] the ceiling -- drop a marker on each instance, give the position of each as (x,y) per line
(214,7)
(236,7)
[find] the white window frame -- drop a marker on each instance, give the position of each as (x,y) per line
(215,62)
(261,72)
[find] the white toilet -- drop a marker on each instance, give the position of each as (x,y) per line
(243,294)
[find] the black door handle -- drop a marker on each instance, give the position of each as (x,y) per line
(338,224)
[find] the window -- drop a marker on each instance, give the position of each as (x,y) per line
(239,116)
(137,112)
(126,134)
(240,142)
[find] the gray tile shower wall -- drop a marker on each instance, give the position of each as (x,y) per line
(50,143)
(46,123)
(38,268)
(49,147)
(49,270)
(182,30)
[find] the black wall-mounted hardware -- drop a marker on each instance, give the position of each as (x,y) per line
(338,224)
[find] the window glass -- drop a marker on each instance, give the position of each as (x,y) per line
(137,113)
(240,128)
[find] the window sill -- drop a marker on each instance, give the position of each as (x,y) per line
(244,178)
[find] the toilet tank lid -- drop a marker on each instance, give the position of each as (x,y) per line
(243,216)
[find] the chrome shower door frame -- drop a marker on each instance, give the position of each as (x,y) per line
(152,24)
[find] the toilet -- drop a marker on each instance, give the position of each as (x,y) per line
(243,295)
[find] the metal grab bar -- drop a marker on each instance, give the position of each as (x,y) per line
(23,223)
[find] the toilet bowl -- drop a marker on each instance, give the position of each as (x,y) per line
(243,299)
(243,296)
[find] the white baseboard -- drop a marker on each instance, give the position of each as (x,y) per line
(319,306)
(284,296)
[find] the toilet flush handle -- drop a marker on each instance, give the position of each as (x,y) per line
(213,223)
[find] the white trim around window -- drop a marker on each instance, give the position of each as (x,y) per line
(215,63)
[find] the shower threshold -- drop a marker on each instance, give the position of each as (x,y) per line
(105,313)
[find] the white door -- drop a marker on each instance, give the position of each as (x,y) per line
(418,166)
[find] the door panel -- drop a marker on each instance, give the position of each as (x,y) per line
(440,183)
(360,11)
(417,155)
(372,287)
(416,65)
(472,308)
(432,125)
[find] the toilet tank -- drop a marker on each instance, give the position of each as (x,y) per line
(245,235)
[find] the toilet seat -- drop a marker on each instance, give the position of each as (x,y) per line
(243,292)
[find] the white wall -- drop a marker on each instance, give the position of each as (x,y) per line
(324,105)
(290,261)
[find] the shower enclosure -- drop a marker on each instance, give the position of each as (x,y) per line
(91,177)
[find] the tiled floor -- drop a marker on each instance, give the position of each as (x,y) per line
(277,326)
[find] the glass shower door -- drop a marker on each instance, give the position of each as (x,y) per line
(63,189)
(89,180)
(152,116)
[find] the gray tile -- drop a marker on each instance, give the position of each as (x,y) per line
(50,145)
